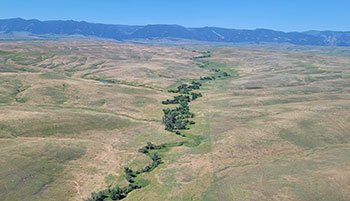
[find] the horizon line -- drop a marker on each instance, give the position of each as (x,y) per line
(190,27)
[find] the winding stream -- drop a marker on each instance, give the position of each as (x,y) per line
(175,120)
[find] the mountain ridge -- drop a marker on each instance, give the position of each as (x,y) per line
(206,34)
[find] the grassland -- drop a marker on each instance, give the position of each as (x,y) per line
(277,129)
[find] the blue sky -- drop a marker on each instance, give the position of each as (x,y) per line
(284,15)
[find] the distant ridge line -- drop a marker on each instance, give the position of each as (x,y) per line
(60,28)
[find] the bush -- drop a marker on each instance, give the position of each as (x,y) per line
(116,193)
(205,78)
(195,95)
(129,175)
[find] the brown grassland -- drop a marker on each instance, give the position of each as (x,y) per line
(73,114)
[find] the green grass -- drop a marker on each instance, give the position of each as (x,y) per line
(3,53)
(52,75)
(286,101)
(33,166)
(307,69)
(99,102)
(311,134)
(141,101)
(29,58)
(57,94)
(5,98)
(51,123)
(11,89)
(291,178)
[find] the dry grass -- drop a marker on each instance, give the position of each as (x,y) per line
(279,127)
(279,131)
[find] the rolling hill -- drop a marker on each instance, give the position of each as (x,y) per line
(76,114)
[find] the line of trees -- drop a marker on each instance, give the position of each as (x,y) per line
(156,162)
(185,88)
(182,99)
(178,118)
(177,100)
(175,120)
(115,193)
(149,147)
(202,57)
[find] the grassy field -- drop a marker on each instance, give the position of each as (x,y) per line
(74,114)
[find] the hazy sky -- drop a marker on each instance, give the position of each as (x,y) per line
(285,15)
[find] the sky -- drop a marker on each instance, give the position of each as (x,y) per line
(283,15)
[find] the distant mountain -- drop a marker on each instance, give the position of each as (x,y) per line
(207,34)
